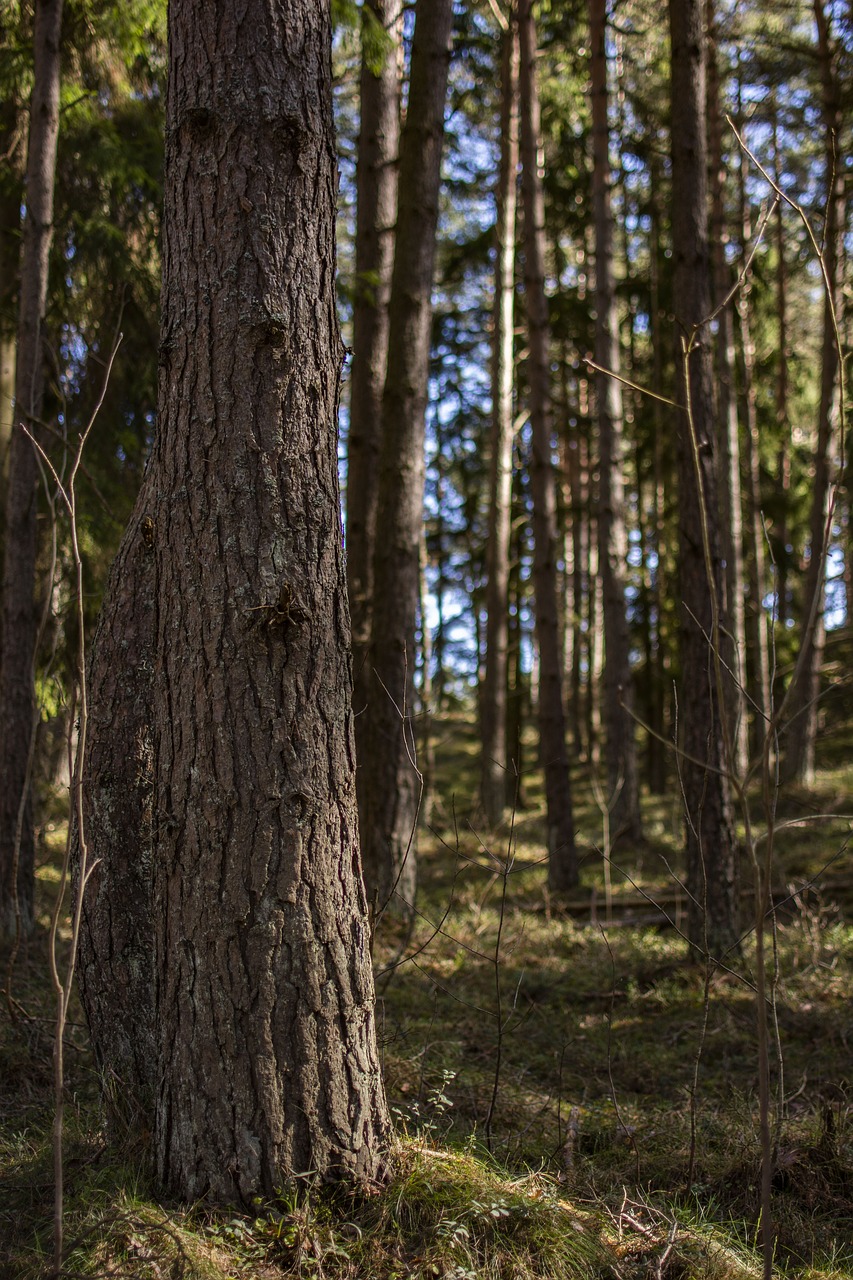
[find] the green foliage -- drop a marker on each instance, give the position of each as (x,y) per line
(375,40)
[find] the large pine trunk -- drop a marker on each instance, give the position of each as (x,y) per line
(263,1038)
(376,213)
(392,784)
(20,544)
(493,773)
(705,740)
(617,695)
(562,859)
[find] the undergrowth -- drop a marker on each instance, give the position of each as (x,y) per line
(624,1128)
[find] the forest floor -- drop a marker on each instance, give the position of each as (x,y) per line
(572,1097)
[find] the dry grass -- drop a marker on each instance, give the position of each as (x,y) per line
(602,1029)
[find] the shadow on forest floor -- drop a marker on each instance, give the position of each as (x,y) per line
(618,1103)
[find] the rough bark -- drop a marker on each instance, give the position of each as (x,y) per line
(710,839)
(19,612)
(116,958)
(562,858)
(392,785)
(728,471)
(376,212)
(617,693)
(265,1055)
(493,775)
(801,705)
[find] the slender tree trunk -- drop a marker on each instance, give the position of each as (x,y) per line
(802,700)
(728,478)
(759,585)
(493,776)
(11,198)
(575,535)
(392,783)
(426,743)
(658,684)
(439,661)
(517,690)
(376,213)
(116,969)
(783,421)
(581,551)
(595,654)
(19,613)
(617,694)
(562,858)
(8,351)
(711,848)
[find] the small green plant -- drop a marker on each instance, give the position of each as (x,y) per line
(430,1119)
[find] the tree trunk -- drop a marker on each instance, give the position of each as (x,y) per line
(392,782)
(517,684)
(710,843)
(759,585)
(116,969)
(19,612)
(658,682)
(798,762)
(425,739)
(576,538)
(493,775)
(728,477)
(783,421)
(562,858)
(261,933)
(11,198)
(438,540)
(376,212)
(617,694)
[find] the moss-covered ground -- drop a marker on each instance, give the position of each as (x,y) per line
(573,1096)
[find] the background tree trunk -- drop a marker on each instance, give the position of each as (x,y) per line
(493,776)
(376,213)
(783,417)
(728,477)
(116,971)
(710,840)
(11,198)
(757,622)
(392,783)
(798,763)
(19,614)
(617,694)
(658,692)
(562,859)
